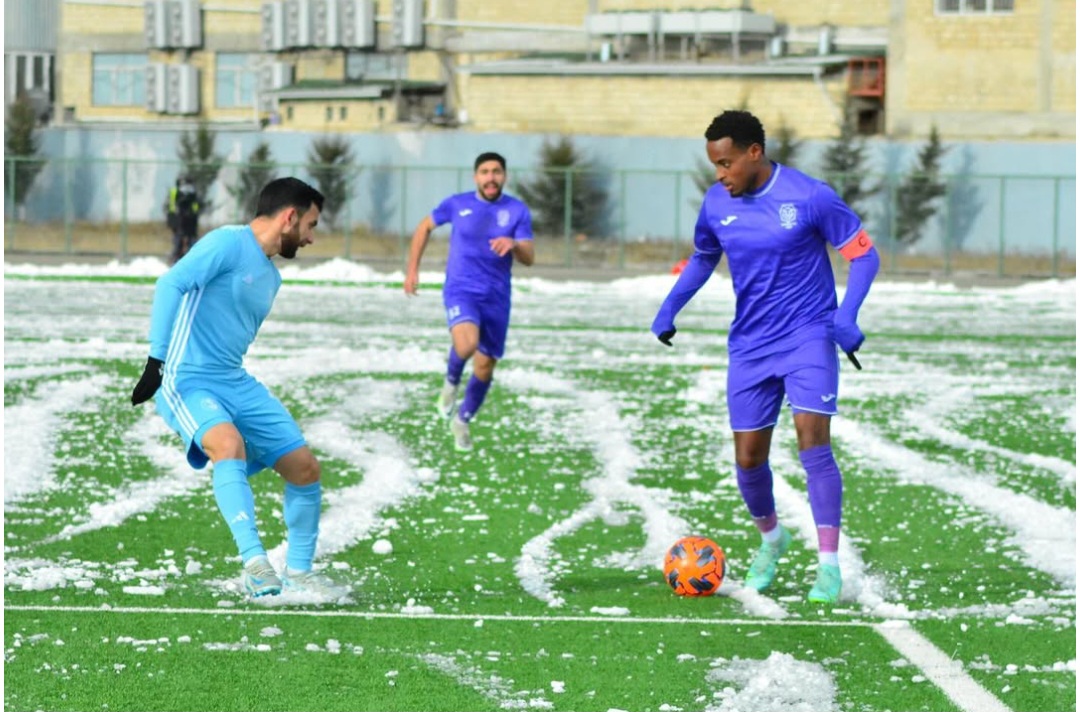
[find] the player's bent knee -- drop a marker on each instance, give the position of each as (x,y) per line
(300,467)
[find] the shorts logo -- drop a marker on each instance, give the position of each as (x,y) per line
(830,397)
(503,218)
(210,404)
(453,312)
(788,216)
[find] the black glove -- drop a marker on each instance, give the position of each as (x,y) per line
(854,361)
(666,336)
(149,383)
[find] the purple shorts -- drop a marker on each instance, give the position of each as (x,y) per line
(490,313)
(809,375)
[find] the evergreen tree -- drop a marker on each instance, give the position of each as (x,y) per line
(330,163)
(786,145)
(845,166)
(259,170)
(917,199)
(201,163)
(545,194)
(21,143)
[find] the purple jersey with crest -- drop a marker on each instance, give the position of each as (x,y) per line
(775,241)
(471,266)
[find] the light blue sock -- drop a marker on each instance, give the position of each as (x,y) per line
(237,505)
(303,505)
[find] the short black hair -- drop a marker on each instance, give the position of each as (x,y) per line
(742,127)
(287,193)
(489,156)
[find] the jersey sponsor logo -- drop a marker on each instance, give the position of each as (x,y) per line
(788,216)
(465,213)
(729,219)
(503,218)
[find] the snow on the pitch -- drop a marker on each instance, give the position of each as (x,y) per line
(597,422)
(31,429)
(780,683)
(1043,533)
(497,689)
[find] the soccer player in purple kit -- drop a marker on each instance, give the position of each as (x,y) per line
(774,223)
(489,230)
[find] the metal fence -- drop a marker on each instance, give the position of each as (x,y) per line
(623,219)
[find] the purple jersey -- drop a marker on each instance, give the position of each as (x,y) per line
(471,266)
(775,240)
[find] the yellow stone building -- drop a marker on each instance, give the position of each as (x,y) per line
(975,68)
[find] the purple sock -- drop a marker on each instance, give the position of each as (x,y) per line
(454,366)
(826,490)
(475,392)
(756,487)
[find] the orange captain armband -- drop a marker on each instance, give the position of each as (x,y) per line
(857,246)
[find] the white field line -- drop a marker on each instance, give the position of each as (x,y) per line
(472,617)
(944,672)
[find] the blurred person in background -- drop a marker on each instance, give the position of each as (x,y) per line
(489,230)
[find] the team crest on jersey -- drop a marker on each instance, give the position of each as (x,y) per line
(503,218)
(788,215)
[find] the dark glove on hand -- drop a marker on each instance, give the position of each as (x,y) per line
(149,383)
(666,336)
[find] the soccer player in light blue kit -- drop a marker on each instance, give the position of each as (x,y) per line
(489,230)
(775,223)
(207,310)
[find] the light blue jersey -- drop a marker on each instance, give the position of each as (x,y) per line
(207,311)
(209,306)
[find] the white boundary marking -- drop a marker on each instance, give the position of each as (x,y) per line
(946,673)
(233,611)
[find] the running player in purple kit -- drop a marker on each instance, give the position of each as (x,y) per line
(489,230)
(774,223)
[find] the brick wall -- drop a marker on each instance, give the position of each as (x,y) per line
(645,106)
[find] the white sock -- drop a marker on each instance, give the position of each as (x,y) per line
(828,557)
(772,536)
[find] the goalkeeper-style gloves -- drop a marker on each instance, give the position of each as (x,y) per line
(149,383)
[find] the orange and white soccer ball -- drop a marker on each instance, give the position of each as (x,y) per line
(694,566)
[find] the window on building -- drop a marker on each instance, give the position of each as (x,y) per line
(343,113)
(119,79)
(329,113)
(235,80)
(288,113)
(974,7)
(368,65)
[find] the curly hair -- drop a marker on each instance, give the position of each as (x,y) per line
(742,127)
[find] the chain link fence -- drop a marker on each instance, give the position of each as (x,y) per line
(1006,226)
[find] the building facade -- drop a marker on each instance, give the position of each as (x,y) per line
(974,68)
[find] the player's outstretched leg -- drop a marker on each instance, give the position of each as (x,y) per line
(303,506)
(237,505)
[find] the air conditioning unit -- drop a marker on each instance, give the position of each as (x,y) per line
(172,24)
(327,25)
(273,76)
(156,22)
(273,26)
(358,24)
(298,23)
(408,23)
(185,23)
(157,87)
(183,92)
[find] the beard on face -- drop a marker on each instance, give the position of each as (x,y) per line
(492,184)
(290,243)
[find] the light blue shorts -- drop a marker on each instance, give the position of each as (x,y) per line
(192,405)
(808,375)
